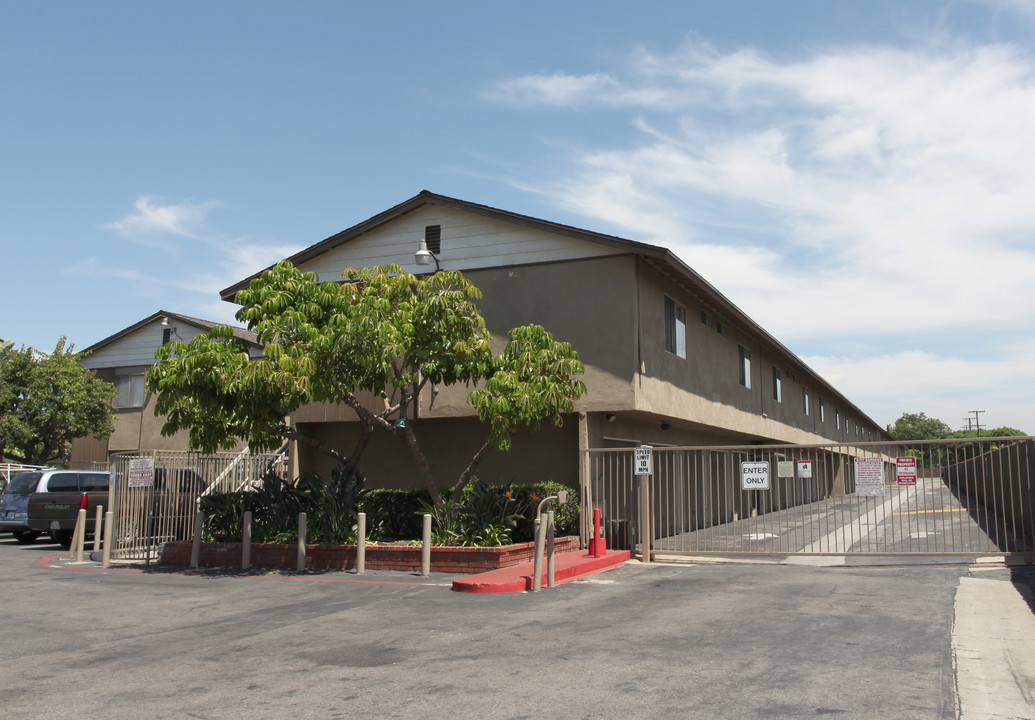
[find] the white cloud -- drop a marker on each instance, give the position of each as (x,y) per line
(943,386)
(859,192)
(187,282)
(151,220)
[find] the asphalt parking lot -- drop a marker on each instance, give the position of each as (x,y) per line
(692,641)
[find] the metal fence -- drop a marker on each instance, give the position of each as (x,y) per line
(147,515)
(934,497)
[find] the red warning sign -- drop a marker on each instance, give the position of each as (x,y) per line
(905,470)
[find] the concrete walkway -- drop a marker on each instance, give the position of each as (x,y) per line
(993,643)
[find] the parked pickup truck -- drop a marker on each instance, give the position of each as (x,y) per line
(49,500)
(169,505)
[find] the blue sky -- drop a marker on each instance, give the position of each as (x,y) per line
(857,176)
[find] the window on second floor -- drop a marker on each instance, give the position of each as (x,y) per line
(745,366)
(777,385)
(822,411)
(675,328)
(130,391)
(805,401)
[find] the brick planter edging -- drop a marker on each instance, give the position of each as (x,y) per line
(378,557)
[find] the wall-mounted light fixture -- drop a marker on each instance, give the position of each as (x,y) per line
(665,426)
(169,331)
(423,256)
(609,417)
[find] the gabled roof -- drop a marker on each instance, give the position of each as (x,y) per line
(660,258)
(206,325)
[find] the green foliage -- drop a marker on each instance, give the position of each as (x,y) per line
(330,509)
(917,426)
(487,515)
(394,514)
(534,382)
(484,515)
(47,400)
(383,331)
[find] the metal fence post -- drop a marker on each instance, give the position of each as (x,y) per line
(300,565)
(361,543)
(425,551)
(246,541)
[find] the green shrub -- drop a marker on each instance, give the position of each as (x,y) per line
(330,509)
(486,515)
(394,514)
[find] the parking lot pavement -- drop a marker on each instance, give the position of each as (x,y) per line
(654,641)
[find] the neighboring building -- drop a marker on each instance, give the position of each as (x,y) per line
(669,360)
(123,359)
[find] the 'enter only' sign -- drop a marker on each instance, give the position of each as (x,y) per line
(754,475)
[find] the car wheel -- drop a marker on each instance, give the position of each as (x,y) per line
(62,538)
(26,537)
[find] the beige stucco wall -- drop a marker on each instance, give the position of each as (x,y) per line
(449,444)
(704,388)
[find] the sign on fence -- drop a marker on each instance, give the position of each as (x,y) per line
(905,470)
(643,462)
(754,475)
(869,476)
(805,468)
(141,472)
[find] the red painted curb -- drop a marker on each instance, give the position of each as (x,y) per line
(518,578)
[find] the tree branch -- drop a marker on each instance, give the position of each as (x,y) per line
(471,468)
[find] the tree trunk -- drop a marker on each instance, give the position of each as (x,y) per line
(472,467)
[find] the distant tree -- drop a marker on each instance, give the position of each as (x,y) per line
(47,400)
(917,426)
(990,432)
(371,343)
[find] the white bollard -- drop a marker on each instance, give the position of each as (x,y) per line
(537,562)
(109,519)
(246,541)
(79,536)
(195,550)
(549,551)
(425,550)
(98,527)
(361,543)
(300,564)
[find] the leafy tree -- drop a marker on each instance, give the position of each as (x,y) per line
(371,343)
(917,426)
(989,433)
(46,400)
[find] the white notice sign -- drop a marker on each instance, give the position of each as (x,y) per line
(644,460)
(141,472)
(754,475)
(805,468)
(869,476)
(785,469)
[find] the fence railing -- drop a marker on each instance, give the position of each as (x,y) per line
(146,515)
(931,497)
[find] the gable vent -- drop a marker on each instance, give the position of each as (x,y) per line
(433,237)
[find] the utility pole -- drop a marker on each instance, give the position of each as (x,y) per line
(977,421)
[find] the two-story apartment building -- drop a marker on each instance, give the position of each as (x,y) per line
(669,360)
(124,359)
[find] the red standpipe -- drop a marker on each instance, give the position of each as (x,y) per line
(597,544)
